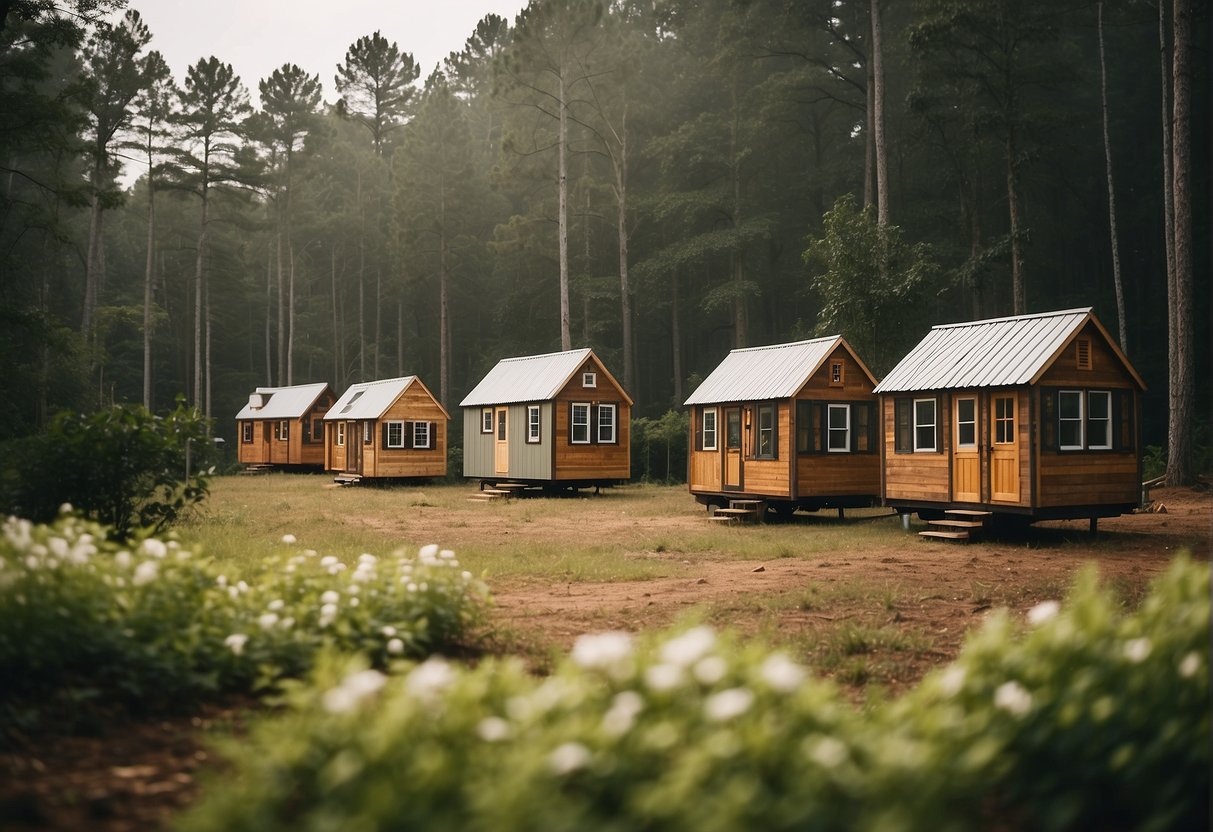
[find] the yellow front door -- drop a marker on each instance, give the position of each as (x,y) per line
(1004,450)
(501,443)
(732,449)
(966,458)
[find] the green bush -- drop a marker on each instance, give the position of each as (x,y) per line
(85,620)
(123,467)
(1087,718)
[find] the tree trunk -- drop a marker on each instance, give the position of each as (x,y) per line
(290,314)
(676,339)
(361,324)
(400,337)
(92,263)
(269,321)
(149,268)
(206,315)
(625,289)
(740,333)
(1018,295)
(199,291)
(1107,148)
(337,362)
(443,307)
(281,307)
(869,137)
(566,341)
(1179,438)
(379,319)
(882,160)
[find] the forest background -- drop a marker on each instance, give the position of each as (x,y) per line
(661,181)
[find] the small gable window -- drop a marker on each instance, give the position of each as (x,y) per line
(589,379)
(836,377)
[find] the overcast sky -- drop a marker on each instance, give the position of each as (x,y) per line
(258,36)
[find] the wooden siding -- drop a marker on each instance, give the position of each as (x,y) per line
(477,446)
(414,405)
(839,474)
(592,461)
(265,448)
(1106,370)
(914,476)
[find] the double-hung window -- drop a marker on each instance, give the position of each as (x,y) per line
(766,444)
(534,433)
(421,434)
(395,434)
(839,416)
(368,433)
(1070,420)
(924,425)
(1099,419)
(606,424)
(579,423)
(707,422)
(246,432)
(486,420)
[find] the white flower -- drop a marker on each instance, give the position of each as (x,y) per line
(388,631)
(1043,611)
(367,558)
(1137,650)
(663,677)
(288,539)
(828,752)
(328,560)
(288,622)
(330,597)
(621,716)
(568,757)
(66,508)
(221,581)
(467,576)
(123,559)
(782,674)
(430,678)
(728,704)
(235,642)
(710,669)
(58,547)
(686,649)
(395,646)
(145,573)
(242,586)
(493,729)
(1190,665)
(428,552)
(275,605)
(1013,698)
(311,553)
(602,651)
(446,554)
(328,611)
(153,548)
(352,691)
(952,681)
(268,620)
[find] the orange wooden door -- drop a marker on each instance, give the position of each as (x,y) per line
(1004,450)
(966,458)
(501,442)
(353,447)
(732,449)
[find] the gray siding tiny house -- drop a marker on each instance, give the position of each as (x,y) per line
(559,419)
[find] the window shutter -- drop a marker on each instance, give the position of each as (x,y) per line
(821,427)
(594,426)
(384,445)
(1122,420)
(901,437)
(1048,419)
(875,412)
(569,438)
(407,437)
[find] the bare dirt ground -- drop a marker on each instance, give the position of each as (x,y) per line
(880,614)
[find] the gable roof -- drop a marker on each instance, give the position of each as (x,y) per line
(371,399)
(776,371)
(993,353)
(532,378)
(284,402)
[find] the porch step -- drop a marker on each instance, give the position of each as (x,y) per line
(347,479)
(945,535)
(258,468)
(724,519)
(957,524)
(736,512)
(747,504)
(489,495)
(976,514)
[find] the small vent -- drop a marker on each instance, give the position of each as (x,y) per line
(1082,351)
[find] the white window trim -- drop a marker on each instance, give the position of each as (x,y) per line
(1107,394)
(246,432)
(973,422)
(1081,419)
(846,409)
(284,430)
(934,425)
(710,411)
(397,424)
(589,379)
(421,429)
(614,411)
(486,420)
(534,424)
(340,437)
(368,434)
(573,424)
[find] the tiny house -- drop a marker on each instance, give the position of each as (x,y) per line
(559,420)
(790,425)
(1035,416)
(386,429)
(284,425)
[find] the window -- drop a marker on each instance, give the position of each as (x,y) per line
(966,423)
(501,424)
(350,404)
(394,434)
(1069,420)
(246,432)
(284,430)
(808,426)
(340,433)
(1099,419)
(368,433)
(317,429)
(579,424)
(839,440)
(589,379)
(1082,353)
(924,425)
(421,435)
(707,429)
(765,444)
(903,432)
(486,420)
(533,429)
(606,424)
(1004,420)
(862,429)
(836,374)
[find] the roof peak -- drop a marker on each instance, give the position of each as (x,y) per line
(1081,310)
(820,340)
(546,355)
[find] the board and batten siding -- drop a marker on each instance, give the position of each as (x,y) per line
(530,460)
(477,446)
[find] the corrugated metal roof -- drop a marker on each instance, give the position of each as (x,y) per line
(777,371)
(528,378)
(368,399)
(283,402)
(993,353)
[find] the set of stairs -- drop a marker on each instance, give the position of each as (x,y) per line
(500,491)
(256,468)
(739,511)
(957,524)
(347,479)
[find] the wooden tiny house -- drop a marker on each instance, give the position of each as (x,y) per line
(790,425)
(558,420)
(392,428)
(1035,416)
(284,425)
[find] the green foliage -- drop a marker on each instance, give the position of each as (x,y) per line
(1088,718)
(659,447)
(86,621)
(122,466)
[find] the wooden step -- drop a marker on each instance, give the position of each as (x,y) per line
(945,535)
(511,486)
(968,512)
(752,504)
(957,524)
(347,479)
(724,519)
(736,512)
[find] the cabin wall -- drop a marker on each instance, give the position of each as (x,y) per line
(477,446)
(256,452)
(530,460)
(768,477)
(592,461)
(838,474)
(414,405)
(922,476)
(705,468)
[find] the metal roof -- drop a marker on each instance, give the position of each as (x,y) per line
(368,399)
(777,371)
(528,378)
(283,402)
(993,353)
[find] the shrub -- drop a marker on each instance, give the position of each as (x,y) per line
(1090,719)
(84,620)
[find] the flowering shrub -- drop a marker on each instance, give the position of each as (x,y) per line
(83,618)
(1090,719)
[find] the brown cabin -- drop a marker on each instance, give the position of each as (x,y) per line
(284,425)
(1035,416)
(392,428)
(790,425)
(559,420)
